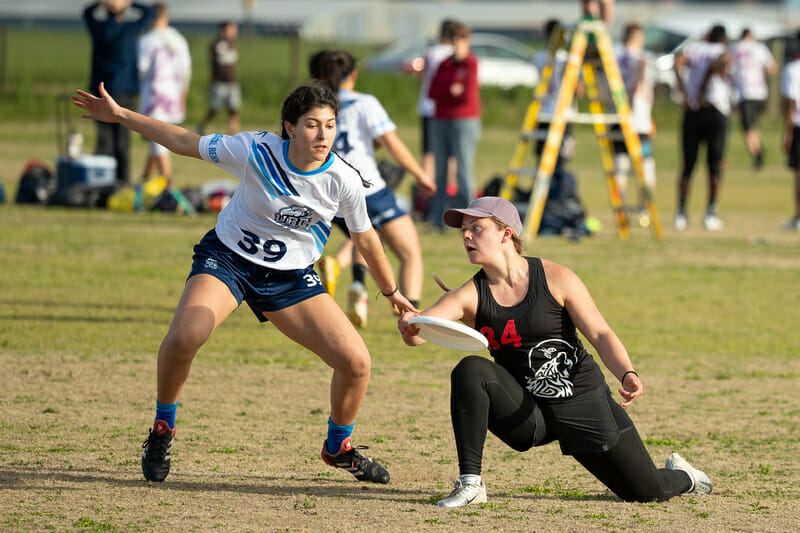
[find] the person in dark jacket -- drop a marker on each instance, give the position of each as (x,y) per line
(114,36)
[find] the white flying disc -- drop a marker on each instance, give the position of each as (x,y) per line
(449,334)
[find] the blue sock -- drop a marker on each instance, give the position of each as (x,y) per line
(166,412)
(336,436)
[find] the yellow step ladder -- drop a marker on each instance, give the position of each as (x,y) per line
(597,116)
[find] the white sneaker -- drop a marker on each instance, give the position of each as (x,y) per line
(466,492)
(681,222)
(792,225)
(357,304)
(701,484)
(712,222)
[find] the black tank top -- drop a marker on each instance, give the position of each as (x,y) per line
(535,340)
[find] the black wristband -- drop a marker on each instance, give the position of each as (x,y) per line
(396,288)
(622,381)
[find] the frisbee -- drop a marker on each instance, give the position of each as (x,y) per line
(449,334)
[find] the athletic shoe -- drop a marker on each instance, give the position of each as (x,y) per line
(701,484)
(712,222)
(644,217)
(681,222)
(357,304)
(364,468)
(155,457)
(466,492)
(792,225)
(329,269)
(758,160)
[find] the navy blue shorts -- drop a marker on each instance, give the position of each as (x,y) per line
(382,208)
(264,289)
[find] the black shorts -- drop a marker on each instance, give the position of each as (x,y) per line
(750,110)
(794,151)
(589,423)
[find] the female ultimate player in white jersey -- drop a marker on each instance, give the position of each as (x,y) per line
(262,251)
(361,125)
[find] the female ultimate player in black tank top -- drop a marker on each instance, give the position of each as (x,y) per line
(542,385)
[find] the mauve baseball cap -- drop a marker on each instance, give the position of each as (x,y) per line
(486,206)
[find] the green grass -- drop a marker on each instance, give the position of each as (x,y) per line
(709,321)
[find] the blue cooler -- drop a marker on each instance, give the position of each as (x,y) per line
(85,180)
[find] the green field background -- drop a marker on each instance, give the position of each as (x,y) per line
(710,321)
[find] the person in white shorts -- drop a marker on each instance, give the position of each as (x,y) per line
(637,71)
(165,69)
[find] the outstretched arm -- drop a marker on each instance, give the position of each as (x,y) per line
(368,244)
(568,288)
(105,109)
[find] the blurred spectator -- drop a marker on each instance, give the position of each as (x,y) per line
(707,100)
(425,104)
(637,71)
(555,55)
(114,63)
(753,64)
(456,126)
(599,9)
(165,67)
(225,90)
(790,91)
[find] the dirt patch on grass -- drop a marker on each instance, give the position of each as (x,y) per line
(246,456)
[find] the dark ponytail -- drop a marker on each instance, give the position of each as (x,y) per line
(332,67)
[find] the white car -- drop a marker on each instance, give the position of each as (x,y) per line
(502,61)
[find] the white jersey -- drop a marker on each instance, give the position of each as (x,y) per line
(360,121)
(165,68)
(433,58)
(540,60)
(790,87)
(630,63)
(751,59)
(280,217)
(700,55)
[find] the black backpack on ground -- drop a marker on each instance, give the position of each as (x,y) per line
(36,184)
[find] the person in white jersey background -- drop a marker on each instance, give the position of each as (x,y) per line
(165,69)
(790,93)
(637,71)
(262,251)
(555,55)
(753,65)
(707,100)
(426,107)
(363,124)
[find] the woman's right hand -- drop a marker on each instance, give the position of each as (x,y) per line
(408,331)
(104,109)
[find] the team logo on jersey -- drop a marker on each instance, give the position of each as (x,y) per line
(551,379)
(294,217)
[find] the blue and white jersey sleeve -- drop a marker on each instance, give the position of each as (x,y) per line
(280,217)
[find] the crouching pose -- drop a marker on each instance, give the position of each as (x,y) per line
(542,385)
(262,251)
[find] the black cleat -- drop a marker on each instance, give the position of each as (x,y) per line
(155,457)
(363,468)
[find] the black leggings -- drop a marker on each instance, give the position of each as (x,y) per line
(704,125)
(485,396)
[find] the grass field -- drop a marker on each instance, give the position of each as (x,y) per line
(710,321)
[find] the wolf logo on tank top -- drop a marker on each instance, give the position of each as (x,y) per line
(551,379)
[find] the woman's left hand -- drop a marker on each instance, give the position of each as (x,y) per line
(400,303)
(631,389)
